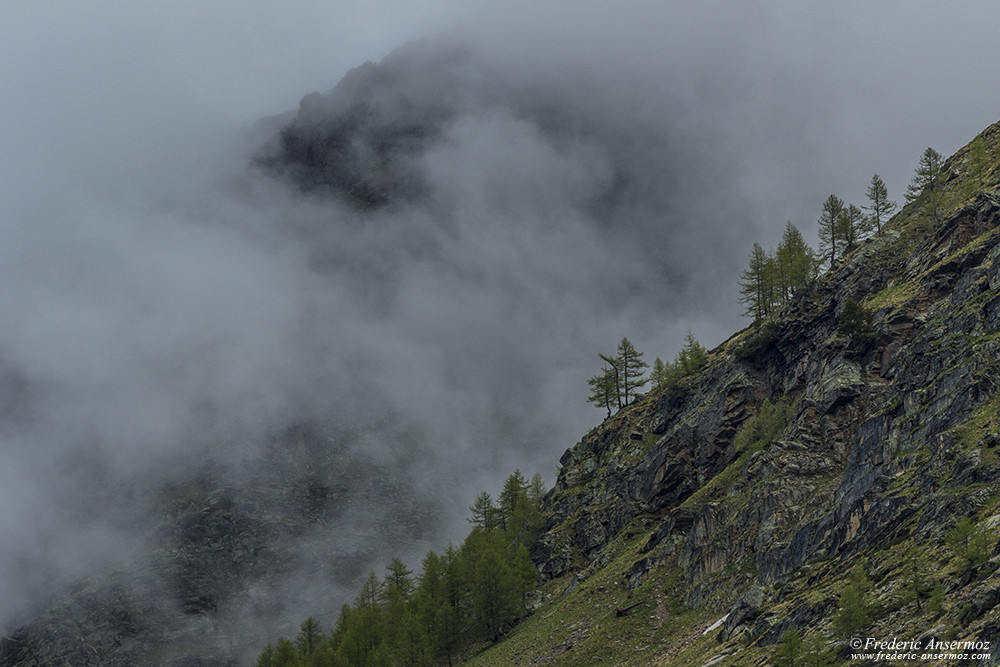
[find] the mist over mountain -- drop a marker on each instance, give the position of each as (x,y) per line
(349,319)
(426,339)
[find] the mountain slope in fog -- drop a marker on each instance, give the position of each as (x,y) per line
(275,382)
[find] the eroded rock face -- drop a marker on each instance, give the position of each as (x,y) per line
(884,441)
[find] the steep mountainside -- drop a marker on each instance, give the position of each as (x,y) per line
(809,457)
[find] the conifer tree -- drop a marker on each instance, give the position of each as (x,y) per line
(267,657)
(692,355)
(789,652)
(854,610)
(310,636)
(484,512)
(604,389)
(879,207)
(755,285)
(660,375)
(398,585)
(513,498)
(794,261)
(830,227)
(975,178)
(633,368)
(851,227)
(924,184)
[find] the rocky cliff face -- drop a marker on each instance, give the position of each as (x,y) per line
(889,438)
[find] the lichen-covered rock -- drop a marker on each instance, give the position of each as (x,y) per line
(889,441)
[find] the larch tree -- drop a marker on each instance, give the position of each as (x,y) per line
(830,227)
(484,512)
(756,284)
(924,184)
(604,389)
(851,227)
(660,375)
(879,207)
(975,178)
(633,368)
(795,262)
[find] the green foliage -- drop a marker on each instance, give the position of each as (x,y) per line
(879,207)
(604,388)
(851,227)
(465,596)
(975,176)
(790,649)
(310,636)
(856,323)
(917,584)
(765,427)
(484,512)
(770,282)
(925,187)
(756,345)
(830,227)
(622,376)
(854,609)
(793,651)
(968,542)
(691,358)
(693,355)
(632,367)
(660,374)
(757,284)
(795,262)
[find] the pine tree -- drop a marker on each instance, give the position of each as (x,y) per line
(757,284)
(604,389)
(484,513)
(493,598)
(790,649)
(536,490)
(850,227)
(513,498)
(795,262)
(660,374)
(267,657)
(692,356)
(310,636)
(924,184)
(975,178)
(632,368)
(829,227)
(879,207)
(854,610)
(398,585)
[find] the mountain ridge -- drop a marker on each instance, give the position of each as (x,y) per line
(890,442)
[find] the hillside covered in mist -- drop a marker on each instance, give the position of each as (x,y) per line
(315,357)
(245,363)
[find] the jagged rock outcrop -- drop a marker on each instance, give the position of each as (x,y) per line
(891,437)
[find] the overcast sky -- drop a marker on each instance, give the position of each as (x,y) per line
(137,282)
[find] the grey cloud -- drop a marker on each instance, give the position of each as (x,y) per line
(597,173)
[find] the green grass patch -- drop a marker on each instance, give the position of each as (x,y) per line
(600,621)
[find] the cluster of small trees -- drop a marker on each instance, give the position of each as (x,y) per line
(621,377)
(691,358)
(771,280)
(465,595)
(624,374)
